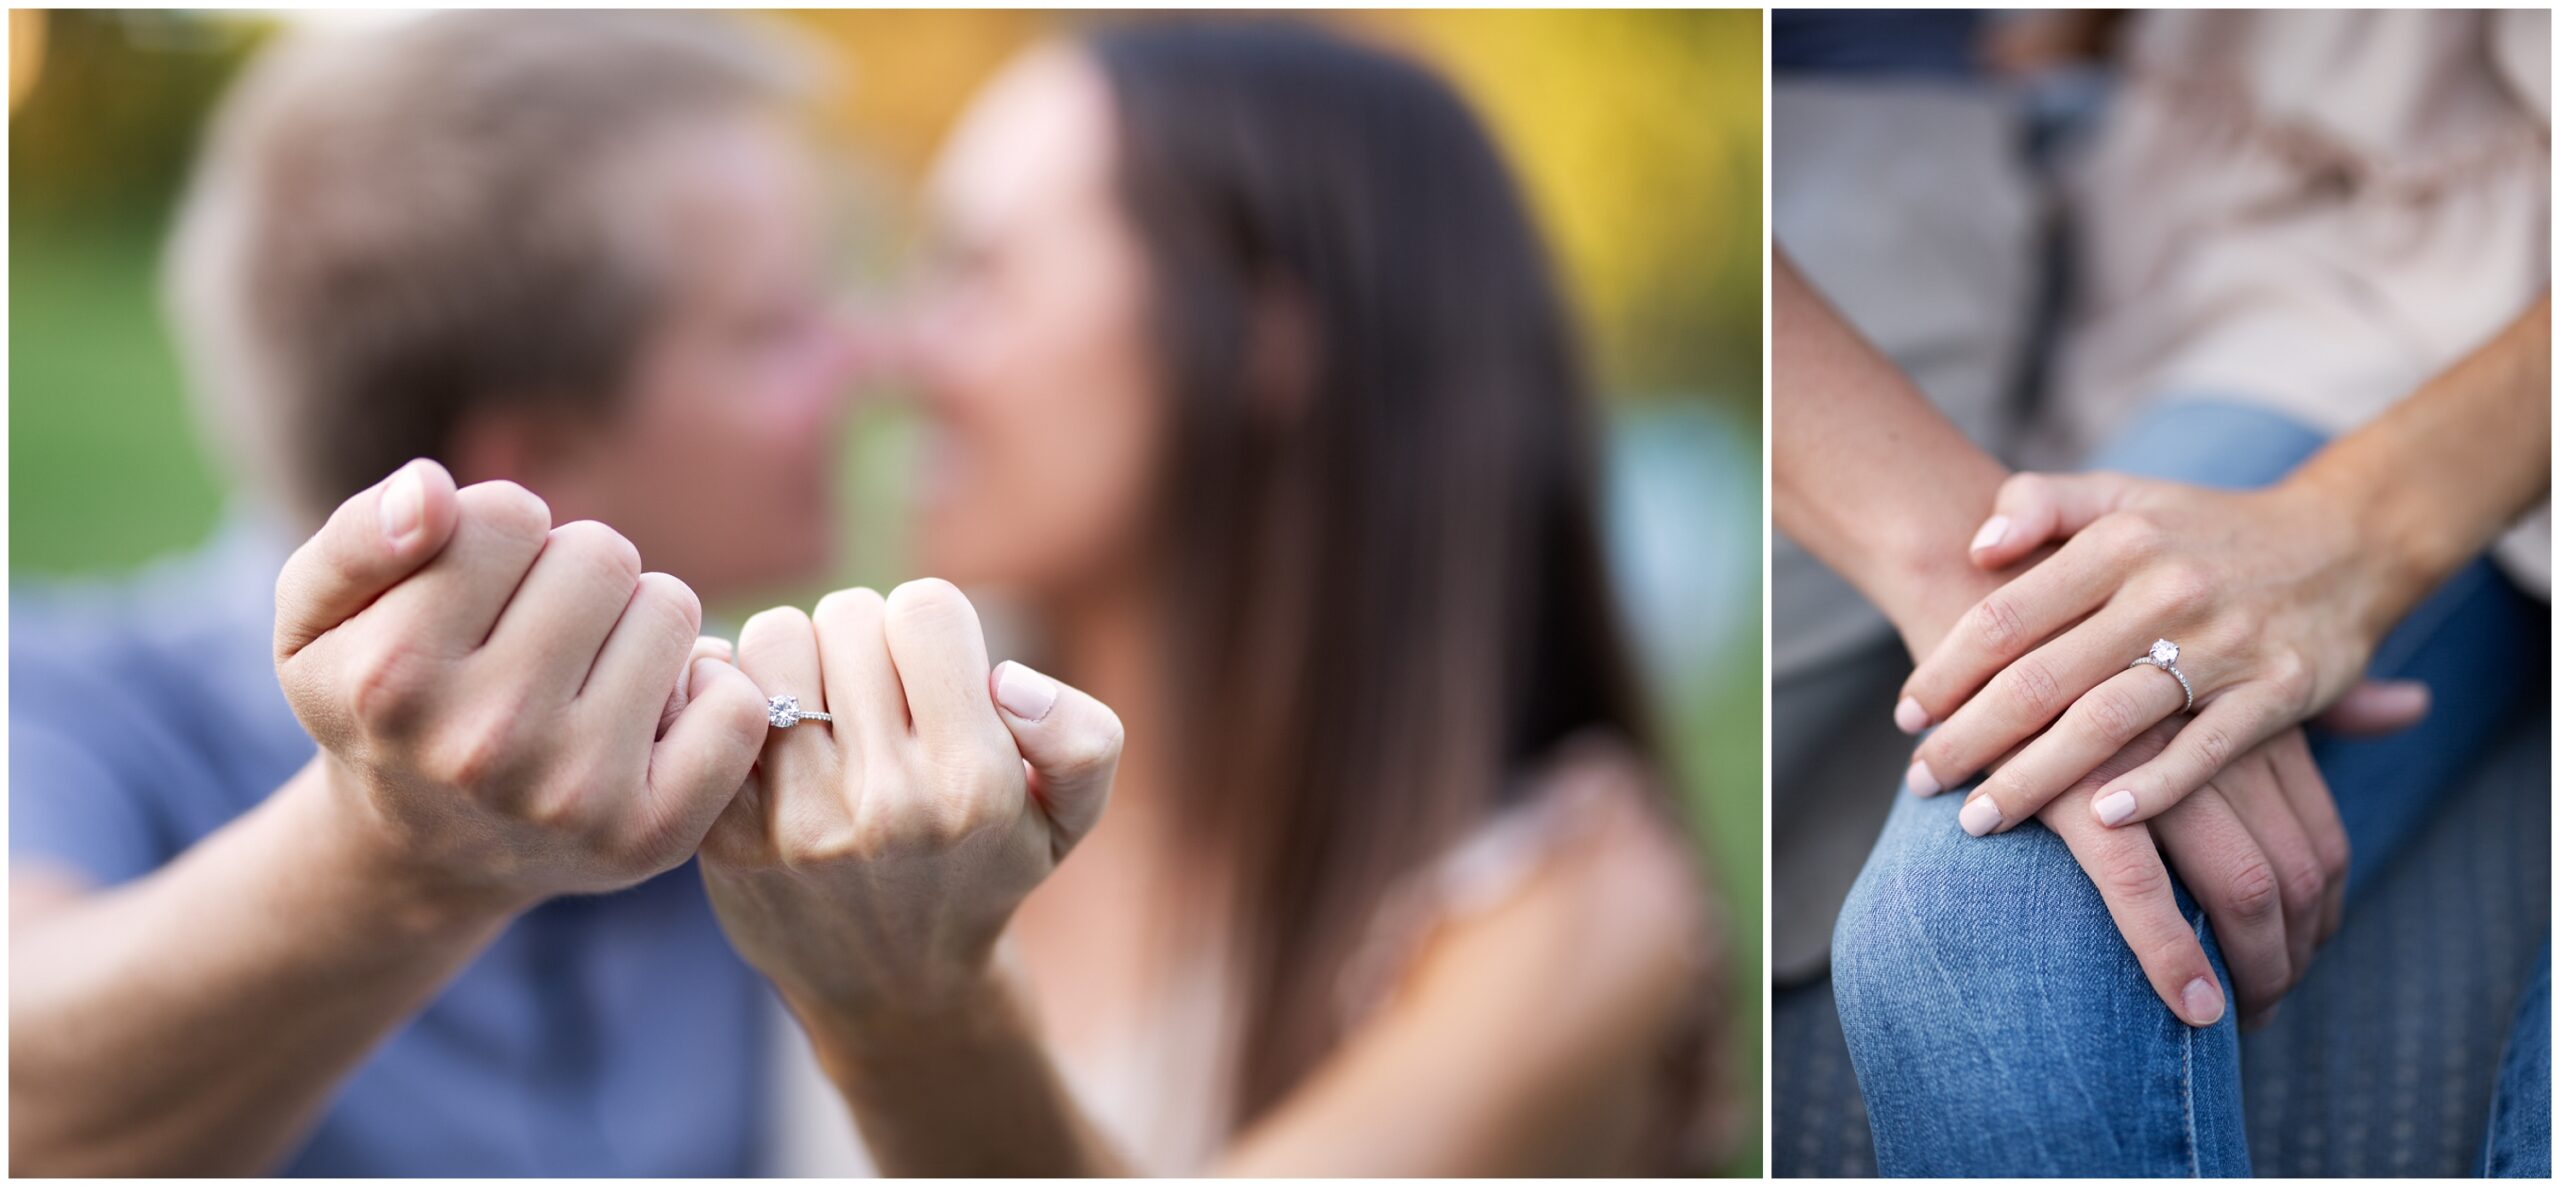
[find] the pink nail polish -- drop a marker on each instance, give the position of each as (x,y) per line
(1909,717)
(2115,807)
(1979,816)
(1919,780)
(1994,530)
(1024,693)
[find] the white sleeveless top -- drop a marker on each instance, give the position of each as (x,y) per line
(1159,1095)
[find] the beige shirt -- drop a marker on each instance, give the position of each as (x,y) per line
(2313,211)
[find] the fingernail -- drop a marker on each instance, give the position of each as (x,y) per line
(1024,693)
(1919,780)
(2115,807)
(2203,1000)
(1909,717)
(1994,530)
(404,504)
(1980,816)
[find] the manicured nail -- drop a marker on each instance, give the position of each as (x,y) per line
(1919,780)
(1909,717)
(2203,1000)
(404,505)
(1994,530)
(2115,807)
(1980,816)
(1024,693)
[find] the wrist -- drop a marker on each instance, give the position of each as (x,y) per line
(882,1028)
(1926,598)
(2385,558)
(395,880)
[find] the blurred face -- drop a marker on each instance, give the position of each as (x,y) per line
(1029,343)
(719,463)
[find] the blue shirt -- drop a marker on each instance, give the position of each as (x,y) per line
(614,1034)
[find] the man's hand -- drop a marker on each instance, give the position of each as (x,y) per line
(868,867)
(490,691)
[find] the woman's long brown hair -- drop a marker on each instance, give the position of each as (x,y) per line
(1388,592)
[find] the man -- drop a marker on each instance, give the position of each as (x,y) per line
(569,251)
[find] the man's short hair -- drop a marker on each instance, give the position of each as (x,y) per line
(395,226)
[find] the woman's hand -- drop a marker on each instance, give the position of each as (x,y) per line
(2273,604)
(868,868)
(2260,847)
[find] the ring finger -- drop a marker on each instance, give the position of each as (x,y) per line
(2096,726)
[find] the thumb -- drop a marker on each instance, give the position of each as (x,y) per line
(2376,707)
(1070,740)
(372,542)
(2033,510)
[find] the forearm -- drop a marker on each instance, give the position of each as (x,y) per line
(959,1086)
(2430,483)
(195,1022)
(1865,474)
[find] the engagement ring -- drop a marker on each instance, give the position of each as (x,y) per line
(2164,656)
(784,712)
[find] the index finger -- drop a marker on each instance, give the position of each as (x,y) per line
(373,541)
(2005,625)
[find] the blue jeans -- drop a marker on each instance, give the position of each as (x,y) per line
(1998,1023)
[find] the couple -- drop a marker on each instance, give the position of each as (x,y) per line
(2176,715)
(444,845)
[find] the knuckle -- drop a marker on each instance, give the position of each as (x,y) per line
(1093,750)
(2213,744)
(2020,490)
(2111,714)
(2181,589)
(2173,952)
(927,603)
(389,685)
(2129,535)
(2251,890)
(668,601)
(478,752)
(507,508)
(2030,685)
(2130,879)
(849,605)
(779,624)
(595,544)
(2290,675)
(2303,885)
(1996,619)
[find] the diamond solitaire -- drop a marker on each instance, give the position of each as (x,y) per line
(784,711)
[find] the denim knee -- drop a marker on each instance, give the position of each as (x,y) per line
(2000,1026)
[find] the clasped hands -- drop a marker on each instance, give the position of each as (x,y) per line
(2274,606)
(509,710)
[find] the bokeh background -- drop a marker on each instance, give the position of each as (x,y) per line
(1637,135)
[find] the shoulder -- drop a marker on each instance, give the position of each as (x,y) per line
(1606,919)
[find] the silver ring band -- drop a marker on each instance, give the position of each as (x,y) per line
(2164,656)
(784,711)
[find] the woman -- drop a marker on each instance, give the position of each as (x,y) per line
(1249,379)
